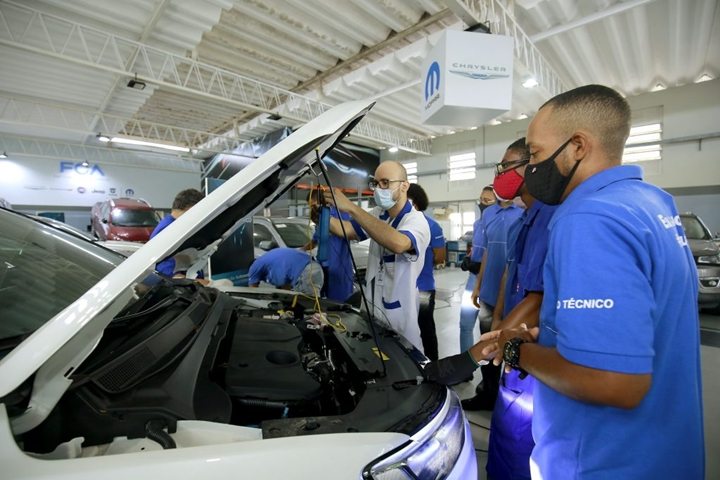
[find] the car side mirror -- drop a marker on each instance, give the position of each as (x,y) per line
(267,244)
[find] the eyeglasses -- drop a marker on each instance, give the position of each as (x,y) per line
(383,183)
(503,167)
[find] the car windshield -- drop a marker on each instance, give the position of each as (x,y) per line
(42,271)
(134,218)
(694,229)
(294,234)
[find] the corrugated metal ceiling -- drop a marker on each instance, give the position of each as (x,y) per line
(333,51)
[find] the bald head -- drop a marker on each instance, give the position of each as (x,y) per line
(596,109)
(391,170)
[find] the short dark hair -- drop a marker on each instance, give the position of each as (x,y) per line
(418,196)
(520,147)
(597,109)
(488,188)
(186,199)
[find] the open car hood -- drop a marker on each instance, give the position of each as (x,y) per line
(61,344)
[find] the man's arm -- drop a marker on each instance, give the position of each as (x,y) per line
(336,229)
(376,229)
(602,387)
(438,256)
(478,281)
(500,304)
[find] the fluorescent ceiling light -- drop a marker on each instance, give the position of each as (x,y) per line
(522,116)
(704,78)
(85,163)
(473,128)
(103,138)
(658,87)
(432,136)
(450,132)
(393,149)
(495,121)
(530,83)
(3,155)
(143,143)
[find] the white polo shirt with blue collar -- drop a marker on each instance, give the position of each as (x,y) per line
(392,278)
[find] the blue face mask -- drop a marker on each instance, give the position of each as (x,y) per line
(384,198)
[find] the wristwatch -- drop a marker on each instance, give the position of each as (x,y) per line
(511,354)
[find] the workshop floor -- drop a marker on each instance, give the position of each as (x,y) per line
(450,283)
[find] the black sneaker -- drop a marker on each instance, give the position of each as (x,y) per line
(478,402)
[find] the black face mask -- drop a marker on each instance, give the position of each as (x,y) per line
(544,180)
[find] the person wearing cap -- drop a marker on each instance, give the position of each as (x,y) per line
(399,236)
(289,269)
(434,255)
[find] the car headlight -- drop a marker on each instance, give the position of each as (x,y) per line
(710,259)
(430,456)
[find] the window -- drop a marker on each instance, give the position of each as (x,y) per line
(461,161)
(643,144)
(411,169)
(461,166)
(461,223)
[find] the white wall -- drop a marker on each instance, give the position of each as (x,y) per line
(687,111)
(32,181)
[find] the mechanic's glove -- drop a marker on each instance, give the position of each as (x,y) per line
(451,370)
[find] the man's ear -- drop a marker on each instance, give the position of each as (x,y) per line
(581,145)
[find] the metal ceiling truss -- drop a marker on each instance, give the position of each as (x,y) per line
(496,16)
(31,30)
(34,147)
(29,112)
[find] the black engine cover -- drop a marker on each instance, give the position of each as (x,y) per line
(265,363)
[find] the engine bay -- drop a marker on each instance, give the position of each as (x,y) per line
(184,352)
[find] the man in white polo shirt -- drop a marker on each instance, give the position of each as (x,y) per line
(400,235)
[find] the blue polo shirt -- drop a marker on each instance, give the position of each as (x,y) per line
(621,295)
(426,280)
(339,266)
(479,240)
(496,239)
(528,238)
(167,266)
(279,266)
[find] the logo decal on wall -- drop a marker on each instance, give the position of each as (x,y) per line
(80,169)
(129,192)
(432,80)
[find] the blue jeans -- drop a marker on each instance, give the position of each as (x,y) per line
(469,315)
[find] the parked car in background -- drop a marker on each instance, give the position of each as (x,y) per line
(120,246)
(108,370)
(127,219)
(295,232)
(707,258)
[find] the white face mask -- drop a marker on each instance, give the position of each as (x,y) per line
(384,198)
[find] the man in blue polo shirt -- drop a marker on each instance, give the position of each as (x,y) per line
(337,269)
(183,201)
(287,268)
(469,312)
(618,343)
(519,299)
(434,255)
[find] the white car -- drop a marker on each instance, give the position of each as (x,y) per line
(108,370)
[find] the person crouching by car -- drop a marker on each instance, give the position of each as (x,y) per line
(289,269)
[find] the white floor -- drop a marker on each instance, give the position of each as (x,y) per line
(450,284)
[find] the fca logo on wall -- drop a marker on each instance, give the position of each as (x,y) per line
(432,84)
(81,169)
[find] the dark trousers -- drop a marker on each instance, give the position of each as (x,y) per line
(426,321)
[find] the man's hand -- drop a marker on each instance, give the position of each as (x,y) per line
(343,203)
(475,296)
(506,335)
